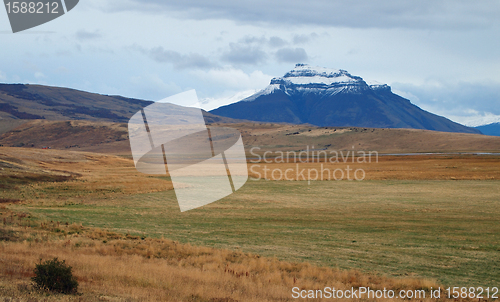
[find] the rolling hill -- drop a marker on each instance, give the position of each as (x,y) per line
(19,101)
(107,137)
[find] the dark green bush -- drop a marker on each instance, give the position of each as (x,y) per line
(56,276)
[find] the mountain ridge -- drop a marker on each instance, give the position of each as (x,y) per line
(331,97)
(39,102)
(26,101)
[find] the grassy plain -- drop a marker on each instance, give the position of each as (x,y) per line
(445,230)
(426,217)
(117,267)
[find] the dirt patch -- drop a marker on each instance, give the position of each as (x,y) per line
(8,235)
(8,200)
(323,131)
(13,180)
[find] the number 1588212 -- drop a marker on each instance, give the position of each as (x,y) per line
(32,7)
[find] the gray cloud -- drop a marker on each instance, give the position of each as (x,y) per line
(423,14)
(291,55)
(273,41)
(244,54)
(180,61)
(302,39)
(277,42)
(87,35)
(454,98)
(253,40)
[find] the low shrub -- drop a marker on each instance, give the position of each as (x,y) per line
(56,276)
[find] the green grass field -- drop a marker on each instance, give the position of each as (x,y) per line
(444,230)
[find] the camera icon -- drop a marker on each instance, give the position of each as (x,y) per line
(205,163)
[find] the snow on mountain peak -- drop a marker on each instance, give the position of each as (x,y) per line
(377,85)
(304,74)
(310,79)
(304,69)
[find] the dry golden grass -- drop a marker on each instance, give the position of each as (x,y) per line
(83,174)
(410,167)
(116,267)
(106,137)
(272,136)
(111,266)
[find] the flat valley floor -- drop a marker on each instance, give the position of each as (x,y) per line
(429,217)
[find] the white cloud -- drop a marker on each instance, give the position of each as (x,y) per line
(477,119)
(234,79)
(453,99)
(407,95)
(39,75)
(152,87)
(213,103)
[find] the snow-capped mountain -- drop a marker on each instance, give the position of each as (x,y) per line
(306,79)
(331,97)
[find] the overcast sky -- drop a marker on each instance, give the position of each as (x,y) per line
(442,55)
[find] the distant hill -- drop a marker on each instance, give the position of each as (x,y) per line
(34,116)
(490,129)
(28,102)
(328,97)
(19,101)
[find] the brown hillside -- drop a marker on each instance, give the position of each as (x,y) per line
(18,101)
(66,135)
(29,102)
(283,137)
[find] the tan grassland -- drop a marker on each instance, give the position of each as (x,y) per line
(105,137)
(117,267)
(113,265)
